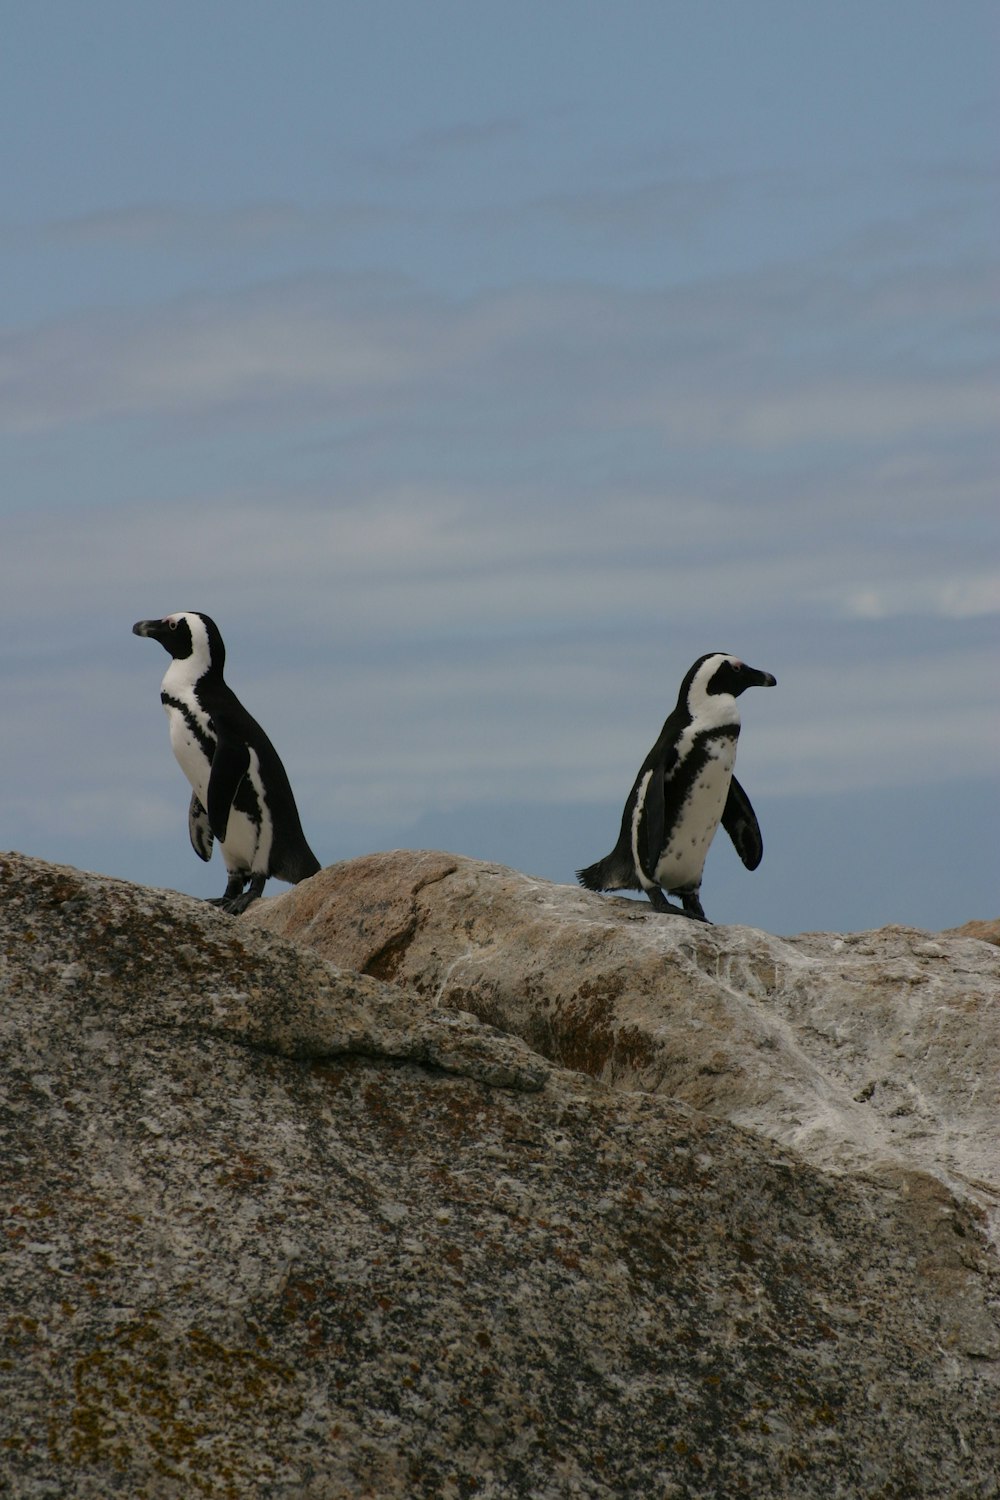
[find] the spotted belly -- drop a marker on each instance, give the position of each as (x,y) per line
(681,865)
(248,840)
(193,744)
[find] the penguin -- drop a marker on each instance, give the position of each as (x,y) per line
(684,788)
(241,793)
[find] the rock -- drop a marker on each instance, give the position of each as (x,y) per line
(986,932)
(871,1051)
(275,1229)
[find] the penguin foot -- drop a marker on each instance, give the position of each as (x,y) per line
(235,899)
(692,908)
(659,902)
(253,892)
(238,904)
(232,906)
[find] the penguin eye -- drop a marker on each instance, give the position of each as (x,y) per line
(172,624)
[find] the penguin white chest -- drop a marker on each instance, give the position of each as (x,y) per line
(190,736)
(249,833)
(681,864)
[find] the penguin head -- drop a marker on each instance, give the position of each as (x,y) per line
(188,636)
(719,675)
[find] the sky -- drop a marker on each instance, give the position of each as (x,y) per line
(477,367)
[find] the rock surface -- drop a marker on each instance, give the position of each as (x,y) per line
(859,1051)
(988,932)
(276,1229)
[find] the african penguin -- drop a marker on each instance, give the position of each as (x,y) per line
(684,788)
(241,793)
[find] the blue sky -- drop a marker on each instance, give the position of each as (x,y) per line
(477,367)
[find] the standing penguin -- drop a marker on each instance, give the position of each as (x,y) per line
(241,792)
(684,788)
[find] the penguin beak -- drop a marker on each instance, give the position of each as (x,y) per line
(758,679)
(147,627)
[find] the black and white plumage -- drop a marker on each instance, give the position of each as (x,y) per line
(241,795)
(684,789)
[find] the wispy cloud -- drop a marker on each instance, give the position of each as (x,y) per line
(671,208)
(764,360)
(867,410)
(167,224)
(952,598)
(275,345)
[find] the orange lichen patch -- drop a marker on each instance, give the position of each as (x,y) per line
(129,1406)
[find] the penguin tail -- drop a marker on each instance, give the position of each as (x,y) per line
(615,872)
(296,865)
(307,865)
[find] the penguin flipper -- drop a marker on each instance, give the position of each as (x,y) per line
(654,818)
(229,766)
(740,822)
(200,829)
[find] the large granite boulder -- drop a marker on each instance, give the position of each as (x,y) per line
(274,1228)
(860,1051)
